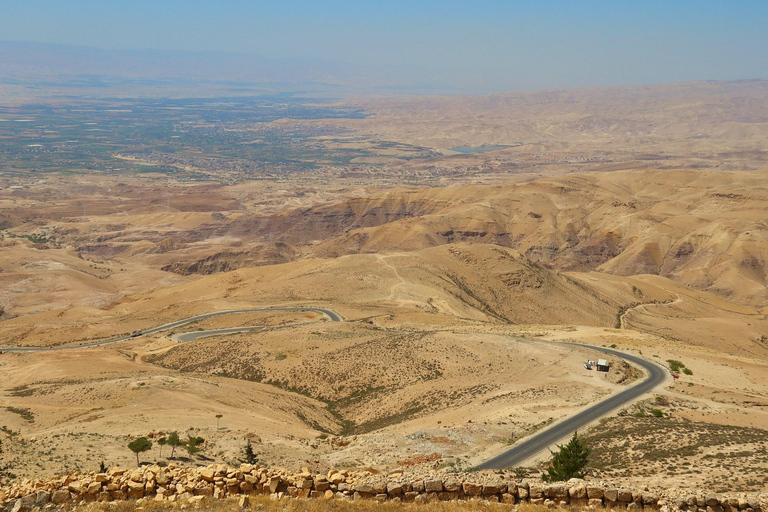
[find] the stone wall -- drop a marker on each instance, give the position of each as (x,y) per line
(176,483)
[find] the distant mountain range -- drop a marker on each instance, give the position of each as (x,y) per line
(29,68)
(39,60)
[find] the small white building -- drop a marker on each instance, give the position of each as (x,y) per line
(602,365)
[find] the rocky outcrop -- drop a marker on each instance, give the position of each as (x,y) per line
(174,483)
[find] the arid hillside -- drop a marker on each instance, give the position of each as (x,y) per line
(706,230)
(479,282)
(463,255)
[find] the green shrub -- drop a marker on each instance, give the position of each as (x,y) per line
(569,461)
(675,365)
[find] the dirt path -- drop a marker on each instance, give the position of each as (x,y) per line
(395,286)
(622,319)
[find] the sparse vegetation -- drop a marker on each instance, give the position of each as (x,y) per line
(162,442)
(174,442)
(192,444)
(23,412)
(139,445)
(249,455)
(650,445)
(675,365)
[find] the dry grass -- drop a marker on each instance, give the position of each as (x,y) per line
(266,504)
(646,443)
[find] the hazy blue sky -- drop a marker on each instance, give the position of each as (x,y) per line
(496,45)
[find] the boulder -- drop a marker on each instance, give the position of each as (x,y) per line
(394,488)
(204,490)
(556,491)
(472,489)
(24,504)
(42,498)
(410,497)
(508,498)
(452,485)
(162,478)
(433,486)
(77,486)
(578,491)
(135,487)
(536,491)
(493,488)
(366,489)
(650,498)
(594,492)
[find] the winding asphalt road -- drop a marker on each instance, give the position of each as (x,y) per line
(332,316)
(530,447)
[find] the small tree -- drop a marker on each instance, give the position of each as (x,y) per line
(249,456)
(569,461)
(218,417)
(174,441)
(142,444)
(162,442)
(192,444)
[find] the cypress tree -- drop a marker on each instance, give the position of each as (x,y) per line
(569,461)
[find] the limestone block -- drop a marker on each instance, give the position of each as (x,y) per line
(472,489)
(433,486)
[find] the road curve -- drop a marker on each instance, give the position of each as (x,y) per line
(331,315)
(515,456)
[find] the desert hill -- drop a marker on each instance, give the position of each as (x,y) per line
(703,229)
(479,282)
